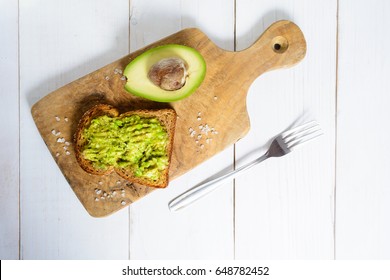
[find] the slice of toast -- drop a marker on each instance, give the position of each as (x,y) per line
(167,118)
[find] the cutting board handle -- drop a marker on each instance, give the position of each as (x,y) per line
(281,45)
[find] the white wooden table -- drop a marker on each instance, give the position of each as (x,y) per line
(328,200)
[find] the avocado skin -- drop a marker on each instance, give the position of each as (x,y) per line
(140,85)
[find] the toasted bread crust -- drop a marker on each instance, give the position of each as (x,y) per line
(166,116)
(85,121)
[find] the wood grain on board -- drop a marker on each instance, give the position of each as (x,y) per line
(219,106)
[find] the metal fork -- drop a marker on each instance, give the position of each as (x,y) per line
(283,144)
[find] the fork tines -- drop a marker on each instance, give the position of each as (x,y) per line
(301,134)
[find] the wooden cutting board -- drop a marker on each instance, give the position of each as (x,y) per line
(211,119)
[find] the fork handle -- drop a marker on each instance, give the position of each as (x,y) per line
(201,190)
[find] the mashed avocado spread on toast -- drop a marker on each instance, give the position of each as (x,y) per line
(133,142)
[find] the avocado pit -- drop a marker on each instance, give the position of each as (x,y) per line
(169,73)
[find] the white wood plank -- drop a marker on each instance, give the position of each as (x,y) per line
(204,230)
(59,42)
(9,127)
(285,206)
(363,157)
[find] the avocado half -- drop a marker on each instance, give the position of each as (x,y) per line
(138,82)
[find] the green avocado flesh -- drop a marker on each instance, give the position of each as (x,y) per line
(138,82)
(134,142)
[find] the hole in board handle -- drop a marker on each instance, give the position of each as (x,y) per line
(279,44)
